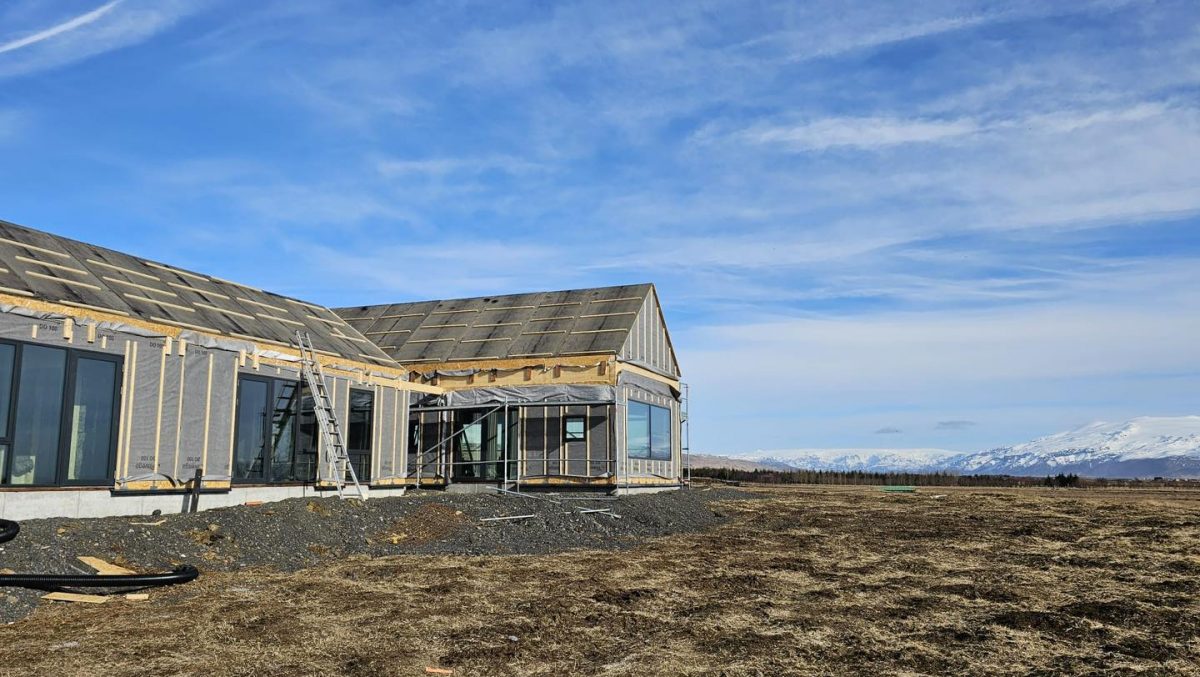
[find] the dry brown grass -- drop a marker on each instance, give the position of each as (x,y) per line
(811,581)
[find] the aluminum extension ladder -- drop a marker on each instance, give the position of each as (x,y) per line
(337,462)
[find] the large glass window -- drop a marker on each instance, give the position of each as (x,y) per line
(637,430)
(660,433)
(251,431)
(648,431)
(92,424)
(39,415)
(480,445)
(8,355)
(58,415)
(285,408)
(275,439)
(358,432)
(470,449)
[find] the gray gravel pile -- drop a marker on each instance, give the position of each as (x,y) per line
(296,533)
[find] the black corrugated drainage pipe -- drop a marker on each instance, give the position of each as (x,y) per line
(52,582)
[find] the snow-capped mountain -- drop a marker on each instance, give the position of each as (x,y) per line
(1141,447)
(869,460)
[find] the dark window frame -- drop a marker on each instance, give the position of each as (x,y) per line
(356,455)
(73,355)
(265,449)
(566,434)
(650,448)
(498,429)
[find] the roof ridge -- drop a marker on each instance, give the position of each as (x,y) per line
(648,285)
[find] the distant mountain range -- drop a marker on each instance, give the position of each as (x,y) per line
(1141,447)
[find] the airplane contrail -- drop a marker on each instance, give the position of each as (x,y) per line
(69,25)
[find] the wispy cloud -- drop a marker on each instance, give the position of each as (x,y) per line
(869,133)
(68,25)
(859,133)
(113,25)
(442,166)
(889,430)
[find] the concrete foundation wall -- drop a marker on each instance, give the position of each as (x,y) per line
(25,505)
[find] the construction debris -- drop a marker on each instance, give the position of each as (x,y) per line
(75,597)
(511,517)
(103,567)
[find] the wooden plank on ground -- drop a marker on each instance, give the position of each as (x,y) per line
(75,597)
(105,568)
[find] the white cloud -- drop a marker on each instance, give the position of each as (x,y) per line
(111,26)
(865,133)
(1136,321)
(1019,371)
(442,166)
(877,132)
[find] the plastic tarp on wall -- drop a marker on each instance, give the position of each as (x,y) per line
(534,393)
(649,385)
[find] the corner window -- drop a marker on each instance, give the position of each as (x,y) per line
(58,416)
(648,431)
(575,429)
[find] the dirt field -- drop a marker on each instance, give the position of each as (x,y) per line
(811,581)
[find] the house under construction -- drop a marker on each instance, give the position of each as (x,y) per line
(569,388)
(128,386)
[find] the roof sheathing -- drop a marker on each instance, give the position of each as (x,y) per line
(59,270)
(543,324)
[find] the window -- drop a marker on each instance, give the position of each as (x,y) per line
(58,412)
(39,415)
(637,430)
(284,410)
(358,432)
(660,433)
(275,437)
(648,431)
(575,429)
(251,426)
(480,444)
(92,427)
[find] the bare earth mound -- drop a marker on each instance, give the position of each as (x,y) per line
(810,581)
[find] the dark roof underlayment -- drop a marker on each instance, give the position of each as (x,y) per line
(542,324)
(59,270)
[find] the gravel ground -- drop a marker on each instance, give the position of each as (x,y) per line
(298,533)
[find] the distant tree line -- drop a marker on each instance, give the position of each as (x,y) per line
(936,479)
(1061,480)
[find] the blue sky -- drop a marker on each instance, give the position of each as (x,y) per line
(934,224)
